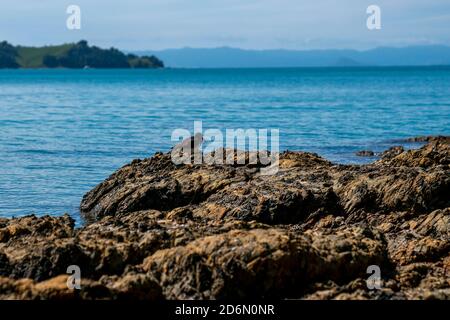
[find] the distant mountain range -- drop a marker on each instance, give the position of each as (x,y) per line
(226,57)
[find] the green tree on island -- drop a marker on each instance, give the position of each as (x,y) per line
(8,55)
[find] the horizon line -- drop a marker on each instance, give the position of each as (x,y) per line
(239,48)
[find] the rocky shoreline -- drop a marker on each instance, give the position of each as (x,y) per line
(161,231)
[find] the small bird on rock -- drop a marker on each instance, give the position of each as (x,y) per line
(186,150)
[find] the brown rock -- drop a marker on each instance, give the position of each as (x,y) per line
(159,230)
(262,263)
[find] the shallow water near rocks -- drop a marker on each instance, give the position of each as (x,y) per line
(64,131)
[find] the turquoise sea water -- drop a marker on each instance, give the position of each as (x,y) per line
(64,131)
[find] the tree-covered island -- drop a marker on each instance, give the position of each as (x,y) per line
(73,55)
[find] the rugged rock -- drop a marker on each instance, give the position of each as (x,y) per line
(428,139)
(156,230)
(392,152)
(263,262)
(435,153)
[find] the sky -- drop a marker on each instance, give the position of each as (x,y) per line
(248,24)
